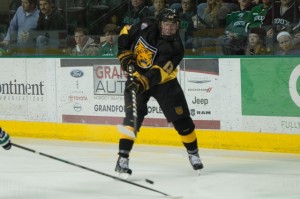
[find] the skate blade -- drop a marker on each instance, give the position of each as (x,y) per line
(198,171)
(123,176)
(126,131)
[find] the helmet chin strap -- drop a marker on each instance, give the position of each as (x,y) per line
(168,37)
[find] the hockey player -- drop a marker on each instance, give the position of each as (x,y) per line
(153,47)
(4,140)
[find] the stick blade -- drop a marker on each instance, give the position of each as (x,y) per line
(126,131)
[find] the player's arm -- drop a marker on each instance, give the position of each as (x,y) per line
(165,65)
(162,71)
(125,40)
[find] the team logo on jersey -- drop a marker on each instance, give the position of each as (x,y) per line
(179,110)
(145,53)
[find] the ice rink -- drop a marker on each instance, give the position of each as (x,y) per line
(227,174)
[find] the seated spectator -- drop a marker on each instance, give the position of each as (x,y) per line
(136,12)
(235,38)
(296,32)
(215,14)
(186,12)
(175,4)
(286,15)
(51,24)
(286,45)
(22,24)
(232,5)
(286,18)
(256,42)
(214,19)
(261,16)
(85,45)
(158,5)
(110,46)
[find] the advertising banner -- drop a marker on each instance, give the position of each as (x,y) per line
(271,88)
(253,95)
(92,92)
(27,89)
(202,86)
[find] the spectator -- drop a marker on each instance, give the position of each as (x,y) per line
(286,16)
(214,19)
(261,15)
(256,42)
(23,22)
(230,4)
(158,5)
(296,32)
(136,12)
(186,12)
(286,45)
(215,14)
(85,45)
(175,4)
(110,46)
(51,23)
(235,38)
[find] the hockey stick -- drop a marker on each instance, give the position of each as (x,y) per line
(122,128)
(92,170)
(133,95)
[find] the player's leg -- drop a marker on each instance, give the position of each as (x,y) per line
(186,129)
(174,106)
(126,142)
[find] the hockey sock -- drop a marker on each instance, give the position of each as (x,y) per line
(190,141)
(125,146)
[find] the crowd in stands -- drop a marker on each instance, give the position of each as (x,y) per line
(207,27)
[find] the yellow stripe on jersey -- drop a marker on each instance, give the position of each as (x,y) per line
(165,76)
(125,30)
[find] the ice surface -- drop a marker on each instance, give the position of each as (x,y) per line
(227,174)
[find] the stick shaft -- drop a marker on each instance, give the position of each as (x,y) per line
(134,104)
(86,168)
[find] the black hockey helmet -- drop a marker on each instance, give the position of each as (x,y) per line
(168,15)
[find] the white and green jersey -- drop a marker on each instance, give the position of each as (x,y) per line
(108,51)
(260,16)
(236,21)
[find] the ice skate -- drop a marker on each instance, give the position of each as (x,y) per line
(196,162)
(122,168)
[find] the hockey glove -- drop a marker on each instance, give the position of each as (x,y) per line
(126,59)
(4,140)
(139,84)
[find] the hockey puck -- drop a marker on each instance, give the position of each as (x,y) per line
(149,181)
